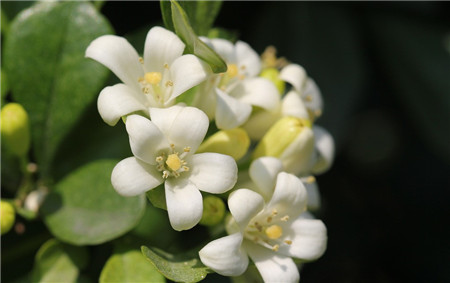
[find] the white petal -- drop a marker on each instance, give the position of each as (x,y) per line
(290,197)
(247,59)
(213,172)
(146,140)
(298,158)
(325,149)
(117,101)
(312,97)
(224,48)
(272,266)
(119,56)
(225,255)
(260,122)
(161,47)
(230,113)
(186,72)
(244,204)
(295,75)
(184,203)
(132,177)
(312,189)
(309,239)
(263,172)
(293,105)
(182,126)
(257,91)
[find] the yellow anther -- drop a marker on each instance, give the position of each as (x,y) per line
(274,232)
(275,248)
(232,70)
(310,180)
(187,149)
(166,66)
(285,218)
(269,219)
(274,212)
(159,159)
(173,161)
(169,83)
(308,98)
(153,77)
(185,168)
(288,242)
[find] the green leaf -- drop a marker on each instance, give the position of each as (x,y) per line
(179,268)
(48,73)
(193,44)
(128,265)
(4,88)
(84,209)
(157,197)
(166,12)
(58,262)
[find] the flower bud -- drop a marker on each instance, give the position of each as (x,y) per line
(15,130)
(7,216)
(233,142)
(273,75)
(292,141)
(213,211)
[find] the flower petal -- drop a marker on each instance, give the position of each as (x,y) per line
(161,47)
(312,189)
(132,177)
(298,157)
(272,266)
(146,140)
(117,101)
(186,72)
(184,203)
(182,126)
(244,204)
(230,112)
(260,122)
(225,255)
(324,143)
(224,48)
(213,172)
(293,105)
(312,97)
(247,59)
(309,239)
(295,75)
(119,56)
(263,172)
(290,197)
(257,91)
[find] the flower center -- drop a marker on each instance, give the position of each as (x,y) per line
(172,164)
(156,85)
(231,76)
(267,232)
(153,78)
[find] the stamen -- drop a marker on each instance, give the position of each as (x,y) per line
(274,212)
(187,149)
(310,180)
(284,218)
(185,168)
(159,159)
(275,248)
(141,60)
(269,219)
(165,174)
(169,83)
(288,242)
(166,66)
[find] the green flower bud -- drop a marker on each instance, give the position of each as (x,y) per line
(15,130)
(234,142)
(273,75)
(213,211)
(7,216)
(292,141)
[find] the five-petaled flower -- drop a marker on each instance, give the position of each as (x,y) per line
(163,150)
(152,81)
(271,233)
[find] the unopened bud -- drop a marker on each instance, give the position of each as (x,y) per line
(7,216)
(273,75)
(292,141)
(213,211)
(234,142)
(15,130)
(35,199)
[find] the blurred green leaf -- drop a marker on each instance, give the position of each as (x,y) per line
(58,262)
(415,60)
(179,268)
(4,87)
(193,44)
(157,197)
(84,208)
(128,265)
(47,71)
(166,12)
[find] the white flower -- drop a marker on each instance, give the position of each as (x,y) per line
(152,81)
(324,150)
(163,152)
(303,101)
(270,234)
(228,97)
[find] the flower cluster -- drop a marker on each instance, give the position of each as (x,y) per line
(264,109)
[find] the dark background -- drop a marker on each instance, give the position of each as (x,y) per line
(384,72)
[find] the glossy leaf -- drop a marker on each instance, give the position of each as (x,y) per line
(179,268)
(157,197)
(48,73)
(193,44)
(129,265)
(58,262)
(84,209)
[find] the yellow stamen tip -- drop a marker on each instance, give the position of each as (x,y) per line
(274,232)
(153,77)
(174,162)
